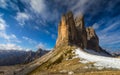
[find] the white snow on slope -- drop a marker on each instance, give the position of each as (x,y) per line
(99,61)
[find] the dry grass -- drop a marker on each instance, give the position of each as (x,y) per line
(58,65)
(100,73)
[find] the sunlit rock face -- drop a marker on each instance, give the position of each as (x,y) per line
(73,32)
(67,32)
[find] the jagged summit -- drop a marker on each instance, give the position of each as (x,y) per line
(92,39)
(73,32)
(66,30)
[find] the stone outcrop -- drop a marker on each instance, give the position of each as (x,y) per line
(67,32)
(81,30)
(73,32)
(92,39)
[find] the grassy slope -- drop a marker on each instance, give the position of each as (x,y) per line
(60,62)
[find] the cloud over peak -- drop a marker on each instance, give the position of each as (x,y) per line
(10,46)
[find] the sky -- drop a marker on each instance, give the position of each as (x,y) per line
(33,24)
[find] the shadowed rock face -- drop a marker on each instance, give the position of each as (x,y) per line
(73,32)
(92,39)
(82,35)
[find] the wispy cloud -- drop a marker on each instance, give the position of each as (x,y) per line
(3,3)
(2,24)
(41,45)
(21,17)
(95,26)
(46,31)
(29,40)
(45,15)
(11,46)
(4,35)
(36,27)
(109,34)
(111,27)
(9,38)
(38,6)
(8,4)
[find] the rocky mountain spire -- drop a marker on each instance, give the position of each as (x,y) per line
(73,32)
(67,32)
(82,35)
(92,39)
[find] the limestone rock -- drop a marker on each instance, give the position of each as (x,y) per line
(92,39)
(67,33)
(82,35)
(73,32)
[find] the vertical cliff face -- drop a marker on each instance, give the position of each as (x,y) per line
(67,33)
(73,32)
(82,35)
(92,39)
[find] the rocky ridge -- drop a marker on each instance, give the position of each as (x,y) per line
(14,57)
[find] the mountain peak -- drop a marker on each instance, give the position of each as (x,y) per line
(73,32)
(92,39)
(66,30)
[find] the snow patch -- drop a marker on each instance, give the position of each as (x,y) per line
(70,73)
(99,61)
(84,61)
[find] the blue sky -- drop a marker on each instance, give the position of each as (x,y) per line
(30,24)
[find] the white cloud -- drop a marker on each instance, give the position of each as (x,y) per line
(111,27)
(41,10)
(80,6)
(2,24)
(36,27)
(9,38)
(10,46)
(4,35)
(22,17)
(8,3)
(46,31)
(29,40)
(109,39)
(109,35)
(40,45)
(3,3)
(38,5)
(95,26)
